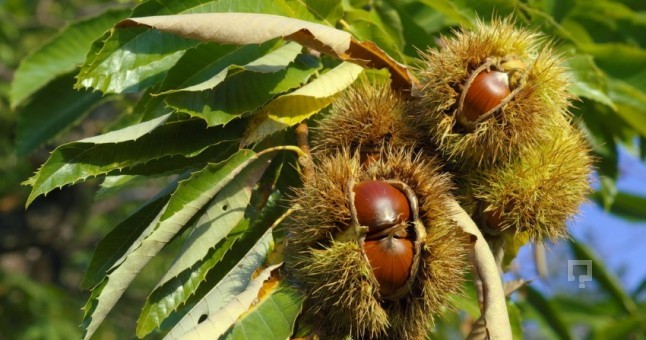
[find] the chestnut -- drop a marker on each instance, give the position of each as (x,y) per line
(488,90)
(379,205)
(391,260)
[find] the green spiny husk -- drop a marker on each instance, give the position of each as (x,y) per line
(542,97)
(367,116)
(342,294)
(541,189)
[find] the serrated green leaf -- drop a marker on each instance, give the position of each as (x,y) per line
(163,306)
(235,282)
(207,65)
(224,212)
(190,196)
(273,316)
(135,146)
(294,107)
(60,55)
(150,107)
(244,91)
(53,109)
(133,59)
(114,245)
(111,185)
(163,303)
(589,80)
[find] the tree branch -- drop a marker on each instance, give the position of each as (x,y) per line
(493,296)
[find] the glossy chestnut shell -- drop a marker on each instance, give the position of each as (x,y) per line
(391,260)
(488,89)
(379,205)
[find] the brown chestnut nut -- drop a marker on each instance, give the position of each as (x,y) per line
(391,260)
(379,205)
(488,89)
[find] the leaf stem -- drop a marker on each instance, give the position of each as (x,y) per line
(293,148)
(302,133)
(484,266)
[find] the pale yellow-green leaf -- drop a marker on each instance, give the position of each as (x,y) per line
(247,28)
(222,215)
(253,28)
(218,323)
(294,107)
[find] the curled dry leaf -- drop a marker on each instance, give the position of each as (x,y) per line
(253,28)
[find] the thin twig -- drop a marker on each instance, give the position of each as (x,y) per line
(540,260)
(494,301)
(302,142)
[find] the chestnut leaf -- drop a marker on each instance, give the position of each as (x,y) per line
(60,55)
(138,149)
(242,92)
(294,107)
(130,60)
(190,197)
(219,268)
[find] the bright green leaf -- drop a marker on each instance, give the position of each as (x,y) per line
(133,59)
(207,65)
(273,316)
(449,9)
(241,92)
(163,306)
(294,107)
(135,146)
(224,295)
(190,196)
(224,212)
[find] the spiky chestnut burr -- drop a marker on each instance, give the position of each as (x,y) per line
(365,118)
(539,190)
(326,251)
(489,92)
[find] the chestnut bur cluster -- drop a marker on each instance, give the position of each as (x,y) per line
(373,244)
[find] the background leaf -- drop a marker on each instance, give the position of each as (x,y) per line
(62,54)
(51,112)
